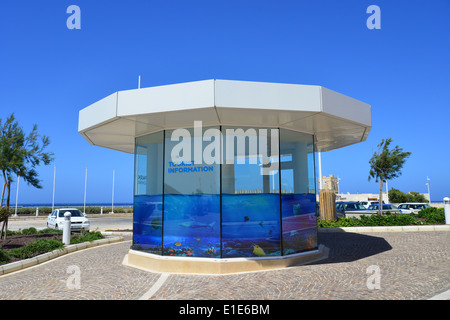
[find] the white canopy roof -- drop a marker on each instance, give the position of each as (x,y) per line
(336,120)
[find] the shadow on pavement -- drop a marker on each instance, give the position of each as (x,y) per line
(347,247)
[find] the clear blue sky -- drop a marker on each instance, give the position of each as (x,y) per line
(48,73)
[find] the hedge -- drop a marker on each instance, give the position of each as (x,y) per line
(426,216)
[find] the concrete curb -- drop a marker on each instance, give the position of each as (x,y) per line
(443,227)
(117,233)
(22,264)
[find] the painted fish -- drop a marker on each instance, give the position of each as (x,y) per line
(196,224)
(257,250)
(246,218)
(211,250)
(156,224)
(177,244)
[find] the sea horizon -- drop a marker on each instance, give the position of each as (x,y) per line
(73,204)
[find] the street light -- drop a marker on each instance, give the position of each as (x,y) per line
(85,185)
(338,179)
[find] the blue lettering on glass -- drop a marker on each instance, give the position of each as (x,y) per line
(187,167)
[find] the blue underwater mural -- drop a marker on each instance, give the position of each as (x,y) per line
(147,223)
(233,209)
(251,226)
(299,222)
(192,225)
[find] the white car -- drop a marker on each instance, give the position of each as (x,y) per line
(412,207)
(367,204)
(78,221)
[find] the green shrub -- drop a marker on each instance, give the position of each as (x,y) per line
(44,245)
(372,220)
(4,256)
(31,230)
(87,236)
(432,215)
(50,230)
(36,247)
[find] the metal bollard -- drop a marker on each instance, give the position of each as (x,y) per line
(66,228)
(37,212)
(101,210)
(447,210)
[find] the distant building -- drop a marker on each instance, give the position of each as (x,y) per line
(362,197)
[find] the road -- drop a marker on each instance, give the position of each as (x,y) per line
(98,222)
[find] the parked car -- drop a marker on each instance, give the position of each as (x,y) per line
(348,206)
(78,220)
(385,208)
(366,204)
(412,207)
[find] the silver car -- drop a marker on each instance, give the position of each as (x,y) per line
(385,208)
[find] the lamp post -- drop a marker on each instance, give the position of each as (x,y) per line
(387,192)
(338,183)
(428,185)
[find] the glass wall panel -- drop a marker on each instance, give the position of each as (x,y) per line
(298,198)
(250,193)
(192,193)
(147,218)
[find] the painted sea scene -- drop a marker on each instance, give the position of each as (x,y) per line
(251,225)
(147,223)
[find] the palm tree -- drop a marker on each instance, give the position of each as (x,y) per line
(386,164)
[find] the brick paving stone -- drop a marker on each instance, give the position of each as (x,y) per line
(102,276)
(413,266)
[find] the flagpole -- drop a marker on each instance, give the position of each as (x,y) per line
(54,179)
(112,208)
(85,184)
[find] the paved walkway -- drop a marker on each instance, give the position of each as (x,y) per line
(410,265)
